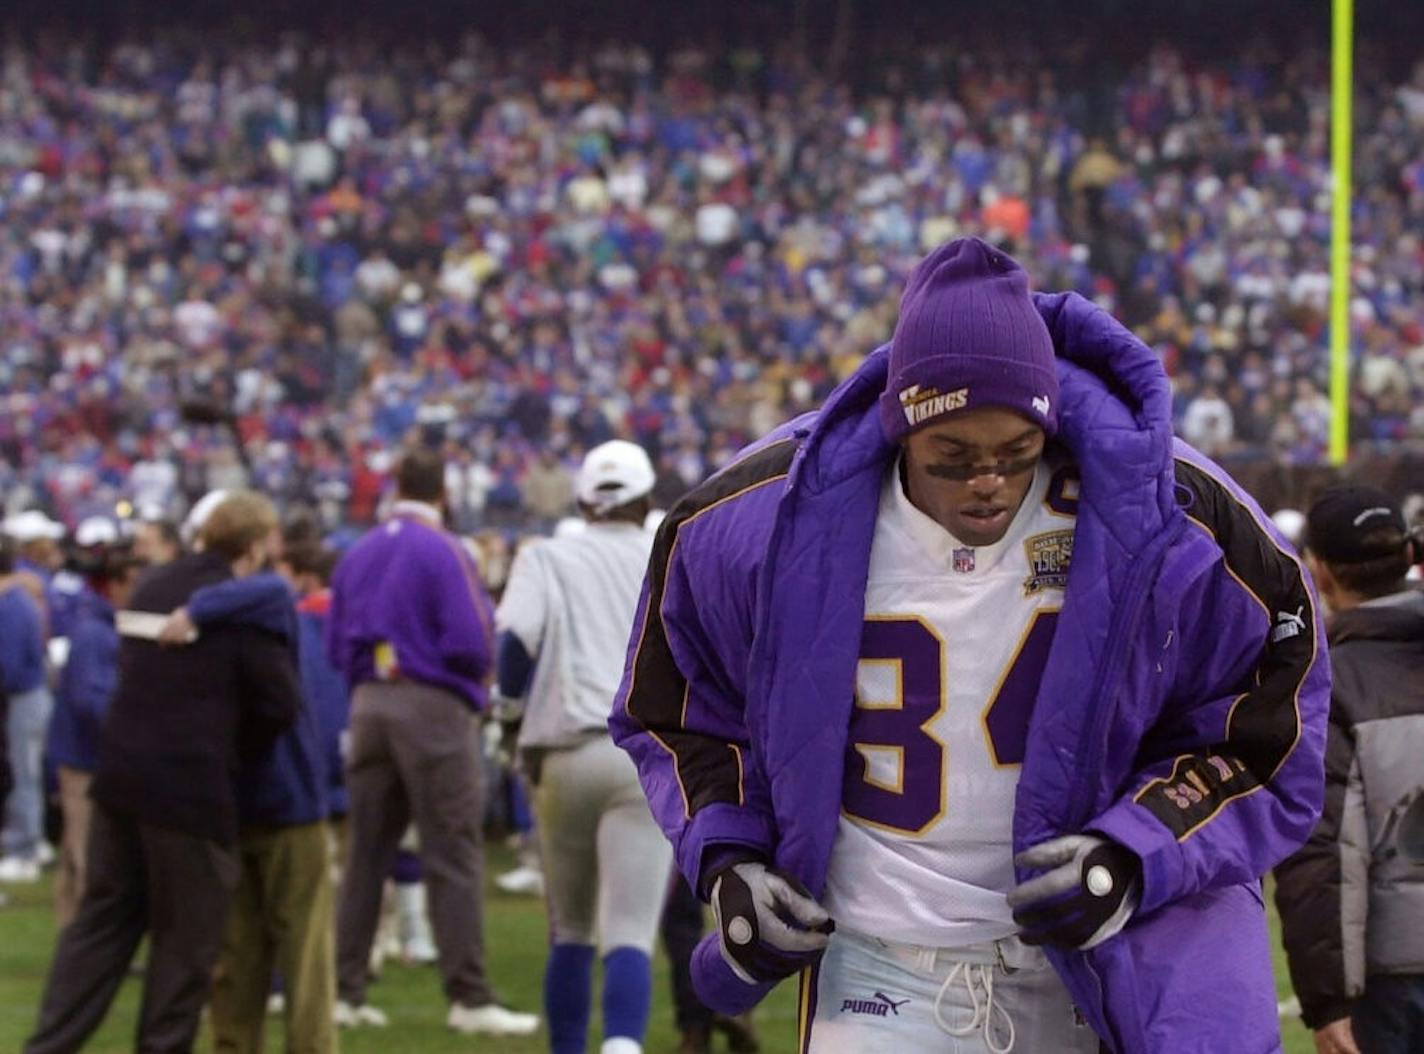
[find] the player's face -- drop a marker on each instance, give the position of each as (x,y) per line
(970,474)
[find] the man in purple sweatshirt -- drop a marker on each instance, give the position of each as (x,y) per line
(411,627)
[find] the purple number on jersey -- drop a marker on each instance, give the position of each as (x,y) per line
(1063,491)
(1006,719)
(902,725)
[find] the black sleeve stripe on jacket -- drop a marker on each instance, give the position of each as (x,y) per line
(708,769)
(1264,724)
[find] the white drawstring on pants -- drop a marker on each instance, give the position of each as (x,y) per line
(983,1018)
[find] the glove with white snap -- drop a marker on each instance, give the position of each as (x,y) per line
(770,925)
(1090,889)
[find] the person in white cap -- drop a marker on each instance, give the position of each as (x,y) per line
(37,539)
(564,623)
(37,558)
(28,704)
(69,595)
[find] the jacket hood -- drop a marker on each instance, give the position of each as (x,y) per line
(1115,419)
(1401,619)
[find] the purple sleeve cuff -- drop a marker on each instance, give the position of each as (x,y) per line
(720,827)
(719,989)
(1130,825)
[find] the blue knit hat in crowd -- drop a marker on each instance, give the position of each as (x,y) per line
(968,336)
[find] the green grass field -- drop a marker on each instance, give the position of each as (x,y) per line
(411,995)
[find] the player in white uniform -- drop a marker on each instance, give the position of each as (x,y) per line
(567,612)
(924,955)
(968,567)
(843,688)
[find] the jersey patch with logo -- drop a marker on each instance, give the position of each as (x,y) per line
(1049,556)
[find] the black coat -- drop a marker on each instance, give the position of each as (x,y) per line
(184,719)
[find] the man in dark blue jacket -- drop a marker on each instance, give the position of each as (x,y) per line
(308,568)
(86,687)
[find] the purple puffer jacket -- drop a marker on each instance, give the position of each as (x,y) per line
(1181,712)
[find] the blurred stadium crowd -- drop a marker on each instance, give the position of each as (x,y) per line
(521,253)
(227,265)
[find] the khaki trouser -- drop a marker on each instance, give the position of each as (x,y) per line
(74,803)
(281,918)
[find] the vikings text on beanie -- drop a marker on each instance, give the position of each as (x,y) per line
(968,336)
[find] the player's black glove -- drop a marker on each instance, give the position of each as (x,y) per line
(770,925)
(1091,888)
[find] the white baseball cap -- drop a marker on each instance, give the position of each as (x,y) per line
(96,530)
(1291,523)
(32,526)
(199,513)
(613,474)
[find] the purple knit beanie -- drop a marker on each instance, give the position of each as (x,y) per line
(969,335)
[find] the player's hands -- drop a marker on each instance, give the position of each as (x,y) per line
(178,630)
(1091,888)
(770,926)
(1335,1038)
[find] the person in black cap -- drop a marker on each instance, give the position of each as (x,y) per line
(1352,900)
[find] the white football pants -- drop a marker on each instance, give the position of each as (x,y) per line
(869,996)
(606,861)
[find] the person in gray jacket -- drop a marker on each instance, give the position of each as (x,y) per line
(1352,899)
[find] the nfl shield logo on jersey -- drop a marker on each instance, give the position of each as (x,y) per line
(963,560)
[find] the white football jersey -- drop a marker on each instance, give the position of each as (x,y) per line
(571,602)
(952,652)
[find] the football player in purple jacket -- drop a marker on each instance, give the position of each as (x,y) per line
(980,702)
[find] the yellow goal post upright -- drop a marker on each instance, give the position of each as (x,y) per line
(1342,97)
